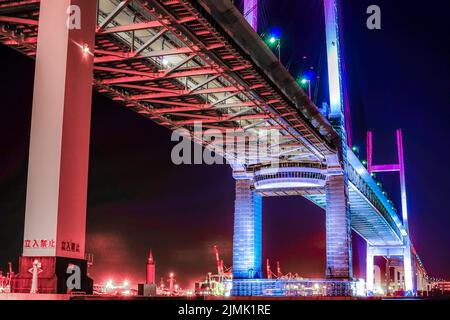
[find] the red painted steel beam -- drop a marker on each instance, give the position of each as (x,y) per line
(16,20)
(189,107)
(142,26)
(159,75)
(13,42)
(112,53)
(121,56)
(22,3)
(183,93)
(181,106)
(151,54)
(148,88)
(132,27)
(225,119)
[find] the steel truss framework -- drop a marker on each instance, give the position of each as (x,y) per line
(166,61)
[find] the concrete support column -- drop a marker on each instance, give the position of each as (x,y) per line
(247,244)
(419,283)
(370,271)
(55,218)
(408,272)
(338,232)
(396,284)
(388,275)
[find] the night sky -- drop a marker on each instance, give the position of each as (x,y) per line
(399,77)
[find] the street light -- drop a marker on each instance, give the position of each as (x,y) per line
(274,39)
(307,81)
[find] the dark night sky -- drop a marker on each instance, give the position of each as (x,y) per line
(399,78)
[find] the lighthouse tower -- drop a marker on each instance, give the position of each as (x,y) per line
(150,269)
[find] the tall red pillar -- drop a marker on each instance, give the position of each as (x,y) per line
(55,218)
(150,278)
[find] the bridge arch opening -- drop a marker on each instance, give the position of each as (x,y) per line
(294,235)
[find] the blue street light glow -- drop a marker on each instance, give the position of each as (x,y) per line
(275,32)
(309,75)
(274,36)
(306,77)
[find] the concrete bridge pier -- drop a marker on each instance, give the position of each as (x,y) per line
(55,217)
(370,271)
(338,232)
(397,285)
(402,275)
(247,238)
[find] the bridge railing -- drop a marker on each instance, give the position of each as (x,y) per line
(361,178)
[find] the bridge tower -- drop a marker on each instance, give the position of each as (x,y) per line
(55,218)
(248,206)
(338,229)
(405,250)
(247,235)
(251,13)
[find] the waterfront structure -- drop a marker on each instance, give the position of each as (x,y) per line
(150,275)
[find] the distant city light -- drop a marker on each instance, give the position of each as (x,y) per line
(109,284)
(361,288)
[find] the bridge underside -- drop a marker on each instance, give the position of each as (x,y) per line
(168,62)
